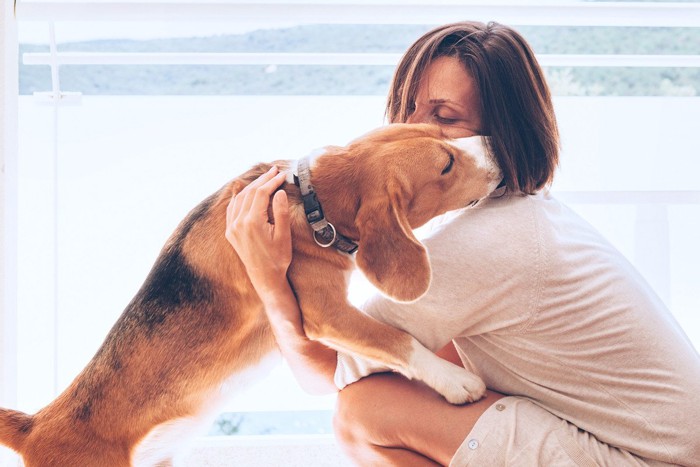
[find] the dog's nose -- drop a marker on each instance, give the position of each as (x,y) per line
(477,147)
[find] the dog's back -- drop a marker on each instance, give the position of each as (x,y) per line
(195,321)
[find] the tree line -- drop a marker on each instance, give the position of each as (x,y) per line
(362,80)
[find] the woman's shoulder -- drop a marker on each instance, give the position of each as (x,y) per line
(502,235)
(495,219)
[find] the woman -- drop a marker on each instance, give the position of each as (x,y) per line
(585,365)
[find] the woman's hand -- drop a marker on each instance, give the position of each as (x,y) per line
(266,251)
(264,248)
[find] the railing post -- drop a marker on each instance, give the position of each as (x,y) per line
(9,92)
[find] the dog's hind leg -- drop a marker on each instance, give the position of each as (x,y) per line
(165,444)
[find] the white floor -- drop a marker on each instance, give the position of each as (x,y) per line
(251,451)
(273,451)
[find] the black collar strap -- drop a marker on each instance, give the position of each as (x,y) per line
(325,234)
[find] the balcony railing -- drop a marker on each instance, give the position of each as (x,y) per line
(106,58)
(567,13)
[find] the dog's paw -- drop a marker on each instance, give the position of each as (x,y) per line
(459,386)
(456,384)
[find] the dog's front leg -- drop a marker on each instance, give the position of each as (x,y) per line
(348,330)
(331,319)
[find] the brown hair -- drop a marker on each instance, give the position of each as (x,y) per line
(516,105)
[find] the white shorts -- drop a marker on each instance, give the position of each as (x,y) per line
(516,432)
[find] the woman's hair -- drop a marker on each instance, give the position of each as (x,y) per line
(515,103)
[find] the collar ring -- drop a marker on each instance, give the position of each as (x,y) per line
(333,236)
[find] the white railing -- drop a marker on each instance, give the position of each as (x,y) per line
(8,214)
(8,206)
(565,13)
(387,59)
(357,12)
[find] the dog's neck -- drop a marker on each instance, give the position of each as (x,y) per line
(332,190)
(325,233)
(292,173)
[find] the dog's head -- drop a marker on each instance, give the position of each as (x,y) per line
(406,175)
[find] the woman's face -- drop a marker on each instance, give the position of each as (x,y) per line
(447,97)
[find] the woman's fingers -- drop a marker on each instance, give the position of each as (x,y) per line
(265,247)
(282,233)
(248,194)
(247,218)
(261,197)
(235,205)
(241,202)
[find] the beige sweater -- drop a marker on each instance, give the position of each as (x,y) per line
(540,305)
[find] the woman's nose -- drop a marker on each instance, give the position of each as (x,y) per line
(415,117)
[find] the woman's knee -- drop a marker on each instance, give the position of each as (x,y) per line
(361,414)
(350,413)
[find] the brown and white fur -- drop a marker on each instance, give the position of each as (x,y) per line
(197,323)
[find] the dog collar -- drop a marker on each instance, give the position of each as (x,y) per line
(325,234)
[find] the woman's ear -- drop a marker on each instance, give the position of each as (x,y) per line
(389,255)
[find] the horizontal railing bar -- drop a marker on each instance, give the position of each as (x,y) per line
(565,13)
(107,58)
(621,60)
(97,58)
(629,197)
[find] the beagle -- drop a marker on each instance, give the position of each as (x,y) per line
(197,324)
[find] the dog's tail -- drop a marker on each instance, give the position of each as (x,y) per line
(14,428)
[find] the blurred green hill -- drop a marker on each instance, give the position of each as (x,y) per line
(362,80)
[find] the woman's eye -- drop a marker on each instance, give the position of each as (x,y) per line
(449,165)
(445,120)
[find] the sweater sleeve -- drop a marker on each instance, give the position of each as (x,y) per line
(350,369)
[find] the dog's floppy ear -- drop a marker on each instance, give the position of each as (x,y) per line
(389,255)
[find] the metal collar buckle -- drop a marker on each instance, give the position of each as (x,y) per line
(325,234)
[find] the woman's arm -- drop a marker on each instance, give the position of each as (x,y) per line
(266,252)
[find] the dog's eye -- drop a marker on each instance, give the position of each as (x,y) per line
(449,165)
